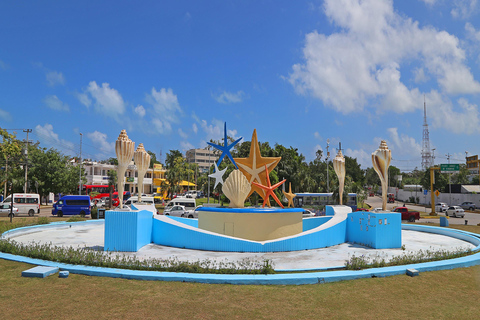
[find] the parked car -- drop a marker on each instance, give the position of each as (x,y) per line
(176,211)
(5,208)
(455,211)
(307,213)
(468,205)
(441,207)
(408,214)
(376,210)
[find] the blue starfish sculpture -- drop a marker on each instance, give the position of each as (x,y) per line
(225,149)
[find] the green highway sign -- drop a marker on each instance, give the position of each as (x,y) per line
(449,168)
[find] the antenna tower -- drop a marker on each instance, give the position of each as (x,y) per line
(427,160)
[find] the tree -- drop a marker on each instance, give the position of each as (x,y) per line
(153,158)
(53,172)
(112,182)
(171,156)
(441,181)
(10,151)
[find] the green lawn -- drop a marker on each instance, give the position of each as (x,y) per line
(450,294)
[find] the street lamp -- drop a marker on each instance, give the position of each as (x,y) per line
(80,163)
(328,155)
(433,157)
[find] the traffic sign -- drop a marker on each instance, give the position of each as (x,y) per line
(425,191)
(437,193)
(449,168)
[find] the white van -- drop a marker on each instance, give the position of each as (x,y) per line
(188,203)
(28,203)
(134,199)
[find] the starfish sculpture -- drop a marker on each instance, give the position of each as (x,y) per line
(289,195)
(253,166)
(218,175)
(225,148)
(269,190)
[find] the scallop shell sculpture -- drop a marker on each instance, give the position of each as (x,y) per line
(381,161)
(124,148)
(142,161)
(236,188)
(339,166)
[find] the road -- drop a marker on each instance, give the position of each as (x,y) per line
(472,218)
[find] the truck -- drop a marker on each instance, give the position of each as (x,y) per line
(407,214)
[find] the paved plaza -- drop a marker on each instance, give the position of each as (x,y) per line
(91,235)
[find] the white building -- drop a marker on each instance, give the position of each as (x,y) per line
(203,157)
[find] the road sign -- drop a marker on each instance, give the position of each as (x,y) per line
(437,193)
(425,192)
(449,168)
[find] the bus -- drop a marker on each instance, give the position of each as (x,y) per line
(72,205)
(103,190)
(320,200)
(28,203)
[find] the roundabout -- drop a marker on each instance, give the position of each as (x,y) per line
(296,267)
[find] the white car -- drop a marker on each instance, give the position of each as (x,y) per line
(5,208)
(441,207)
(308,214)
(455,211)
(176,211)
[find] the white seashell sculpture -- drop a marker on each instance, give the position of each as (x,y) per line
(236,188)
(339,166)
(124,149)
(381,161)
(142,161)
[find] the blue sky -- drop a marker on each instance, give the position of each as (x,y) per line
(300,72)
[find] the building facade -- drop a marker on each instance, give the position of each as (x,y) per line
(473,164)
(204,158)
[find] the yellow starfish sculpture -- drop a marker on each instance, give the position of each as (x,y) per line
(289,195)
(253,167)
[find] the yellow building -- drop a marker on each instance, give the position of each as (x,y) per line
(473,164)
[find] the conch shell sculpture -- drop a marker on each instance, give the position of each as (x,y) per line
(339,166)
(142,161)
(381,161)
(236,188)
(124,149)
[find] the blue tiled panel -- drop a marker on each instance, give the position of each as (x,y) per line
(127,230)
(187,221)
(165,233)
(314,222)
(39,272)
(375,230)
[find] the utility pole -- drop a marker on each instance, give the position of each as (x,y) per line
(433,157)
(26,160)
(80,163)
(449,182)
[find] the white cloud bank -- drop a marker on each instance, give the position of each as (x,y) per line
(229,97)
(54,103)
(166,109)
(47,136)
(107,101)
(362,62)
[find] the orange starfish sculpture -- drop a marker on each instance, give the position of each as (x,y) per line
(253,166)
(269,189)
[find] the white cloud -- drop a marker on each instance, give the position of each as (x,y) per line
(362,62)
(402,145)
(317,136)
(182,134)
(420,75)
(186,146)
(363,158)
(166,109)
(100,142)
(228,97)
(460,118)
(108,101)
(84,99)
(195,128)
(233,134)
(430,2)
(54,78)
(463,9)
(48,137)
(140,111)
(214,130)
(5,115)
(472,32)
(55,104)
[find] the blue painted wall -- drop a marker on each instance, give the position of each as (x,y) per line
(127,230)
(375,230)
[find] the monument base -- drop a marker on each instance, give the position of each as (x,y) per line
(258,224)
